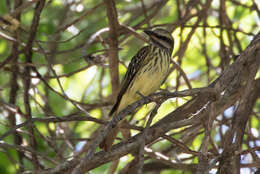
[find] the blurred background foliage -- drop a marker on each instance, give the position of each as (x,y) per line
(67,54)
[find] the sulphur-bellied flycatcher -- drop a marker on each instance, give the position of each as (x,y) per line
(146,72)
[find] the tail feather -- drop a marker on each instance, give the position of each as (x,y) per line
(114,108)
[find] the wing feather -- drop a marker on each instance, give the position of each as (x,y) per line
(132,69)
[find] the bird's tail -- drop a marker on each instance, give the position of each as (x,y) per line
(114,108)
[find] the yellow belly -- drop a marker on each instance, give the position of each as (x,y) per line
(146,82)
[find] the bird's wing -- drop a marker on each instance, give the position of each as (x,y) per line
(132,69)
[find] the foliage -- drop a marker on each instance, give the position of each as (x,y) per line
(56,90)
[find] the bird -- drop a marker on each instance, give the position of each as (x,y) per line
(146,72)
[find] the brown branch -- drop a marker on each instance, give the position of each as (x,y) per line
(227,82)
(54,119)
(159,166)
(183,74)
(27,149)
(82,17)
(145,13)
(141,152)
(14,89)
(27,81)
(23,6)
(113,46)
(177,131)
(152,134)
(233,139)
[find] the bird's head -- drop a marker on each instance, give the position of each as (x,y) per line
(161,37)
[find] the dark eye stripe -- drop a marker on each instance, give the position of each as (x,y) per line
(166,39)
